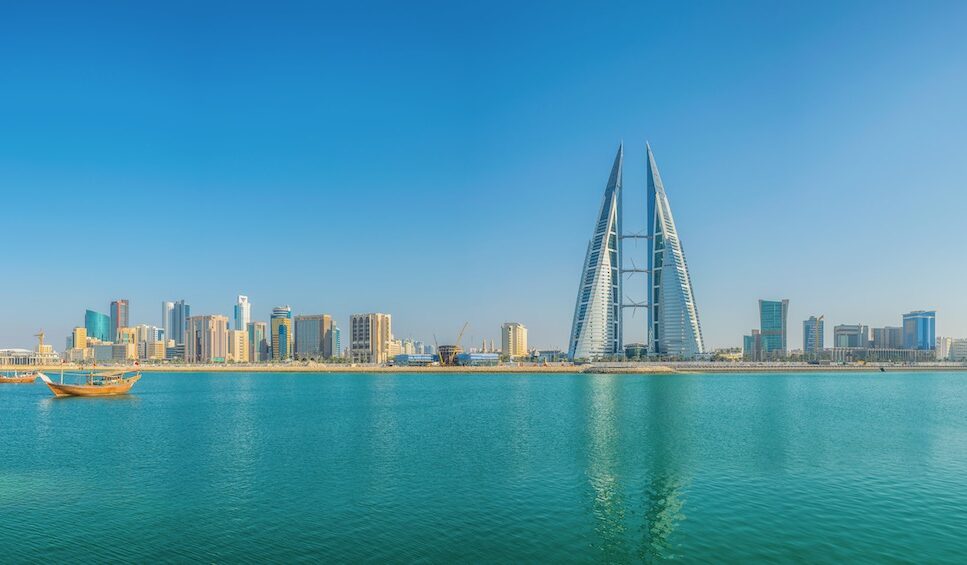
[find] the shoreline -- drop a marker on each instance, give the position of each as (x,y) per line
(613,369)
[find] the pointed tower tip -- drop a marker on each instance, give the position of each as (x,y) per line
(615,178)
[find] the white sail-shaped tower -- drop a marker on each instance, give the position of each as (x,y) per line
(673,325)
(596,328)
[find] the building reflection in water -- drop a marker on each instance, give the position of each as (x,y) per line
(607,503)
(637,452)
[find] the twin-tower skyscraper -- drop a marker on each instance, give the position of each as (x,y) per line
(673,328)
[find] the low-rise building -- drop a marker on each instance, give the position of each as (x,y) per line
(957,350)
(155,351)
(415,359)
(550,356)
(636,350)
(123,352)
(175,352)
(873,355)
(477,359)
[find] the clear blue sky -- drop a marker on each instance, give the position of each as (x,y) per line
(444,161)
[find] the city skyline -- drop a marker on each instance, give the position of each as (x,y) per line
(770,153)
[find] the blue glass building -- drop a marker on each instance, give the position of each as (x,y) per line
(98,325)
(813,335)
(919,330)
(773,315)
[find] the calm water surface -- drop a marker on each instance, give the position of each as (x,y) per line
(499,468)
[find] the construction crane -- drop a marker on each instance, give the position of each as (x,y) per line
(456,346)
(437,345)
(40,335)
(447,353)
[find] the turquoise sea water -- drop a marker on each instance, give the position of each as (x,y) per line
(489,468)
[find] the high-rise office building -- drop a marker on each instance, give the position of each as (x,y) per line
(813,335)
(888,338)
(513,339)
(258,345)
(178,322)
(773,318)
(852,336)
(243,313)
(596,326)
(281,322)
(919,330)
(370,337)
(673,324)
(313,336)
(206,339)
(79,338)
(167,307)
(98,325)
(119,316)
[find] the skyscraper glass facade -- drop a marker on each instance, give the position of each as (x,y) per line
(179,321)
(674,328)
(919,330)
(773,315)
(813,335)
(596,326)
(98,325)
(336,342)
(119,316)
(281,321)
(313,337)
(243,311)
(166,308)
(258,346)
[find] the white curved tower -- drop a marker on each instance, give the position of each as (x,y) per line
(596,328)
(673,325)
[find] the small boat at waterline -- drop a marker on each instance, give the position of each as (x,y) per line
(111,383)
(18,378)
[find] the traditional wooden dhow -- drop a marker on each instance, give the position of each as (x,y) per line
(18,378)
(110,383)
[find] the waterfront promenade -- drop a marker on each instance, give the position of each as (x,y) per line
(694,367)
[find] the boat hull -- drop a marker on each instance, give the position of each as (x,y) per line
(122,387)
(27,379)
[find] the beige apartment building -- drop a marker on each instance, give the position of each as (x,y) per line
(369,337)
(513,338)
(79,338)
(154,350)
(206,339)
(238,346)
